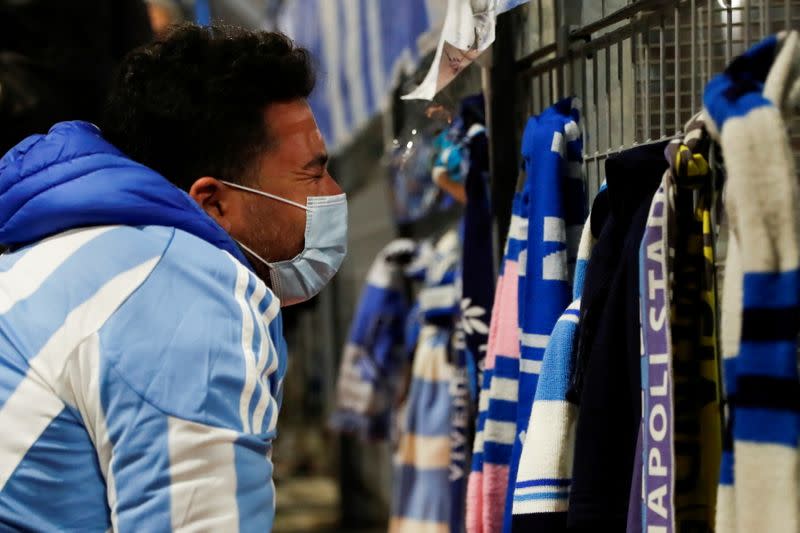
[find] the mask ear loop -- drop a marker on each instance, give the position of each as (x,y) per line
(274,280)
(262,193)
(254,254)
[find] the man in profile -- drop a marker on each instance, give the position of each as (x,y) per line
(141,345)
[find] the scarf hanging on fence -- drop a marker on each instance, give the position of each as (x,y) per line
(496,429)
(552,149)
(760,471)
(541,492)
(372,359)
(421,499)
(607,376)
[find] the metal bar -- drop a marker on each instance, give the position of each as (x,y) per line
(647,84)
(598,177)
(662,100)
(676,44)
(540,21)
(569,74)
(620,82)
(729,33)
(710,49)
(605,155)
(595,110)
(637,105)
(746,7)
(541,95)
(608,97)
(584,88)
(767,17)
(693,55)
(587,102)
(597,44)
(787,14)
(533,57)
(624,13)
(550,99)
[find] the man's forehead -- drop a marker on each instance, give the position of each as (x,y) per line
(287,118)
(295,127)
(304,126)
(296,137)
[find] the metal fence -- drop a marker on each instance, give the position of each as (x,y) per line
(639,67)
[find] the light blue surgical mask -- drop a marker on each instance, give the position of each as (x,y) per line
(302,277)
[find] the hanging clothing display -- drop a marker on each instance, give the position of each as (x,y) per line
(760,483)
(606,380)
(541,491)
(696,379)
(421,492)
(496,428)
(552,150)
(368,374)
(477,265)
(477,286)
(680,437)
(656,442)
(533,291)
(598,378)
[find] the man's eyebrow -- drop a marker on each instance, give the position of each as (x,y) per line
(319,161)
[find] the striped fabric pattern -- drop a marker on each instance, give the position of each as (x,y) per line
(695,332)
(496,429)
(129,430)
(421,496)
(541,491)
(680,366)
(552,149)
(368,373)
(760,478)
(421,493)
(542,481)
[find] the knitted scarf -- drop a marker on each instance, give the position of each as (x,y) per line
(760,472)
(541,491)
(369,371)
(421,498)
(552,149)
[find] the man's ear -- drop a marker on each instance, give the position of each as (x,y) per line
(215,199)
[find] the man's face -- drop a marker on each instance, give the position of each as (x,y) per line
(293,167)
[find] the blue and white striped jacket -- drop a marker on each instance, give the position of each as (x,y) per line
(140,358)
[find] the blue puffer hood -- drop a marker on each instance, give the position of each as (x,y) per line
(72,178)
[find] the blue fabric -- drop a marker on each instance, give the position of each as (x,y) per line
(737,90)
(31,335)
(421,490)
(202,12)
(762,383)
(63,452)
(477,265)
(421,494)
(398,26)
(450,155)
(172,332)
(497,453)
(72,178)
(555,202)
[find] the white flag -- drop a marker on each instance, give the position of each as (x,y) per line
(468,30)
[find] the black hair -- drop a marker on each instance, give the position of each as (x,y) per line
(192,104)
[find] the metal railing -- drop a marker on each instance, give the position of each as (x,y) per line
(639,67)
